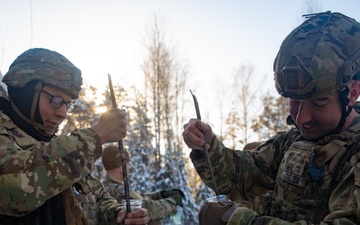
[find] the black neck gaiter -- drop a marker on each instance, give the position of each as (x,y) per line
(23,98)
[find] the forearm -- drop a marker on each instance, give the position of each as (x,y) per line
(235,171)
(159,208)
(342,207)
(246,216)
(108,207)
(225,173)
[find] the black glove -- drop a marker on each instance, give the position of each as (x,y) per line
(176,194)
(216,212)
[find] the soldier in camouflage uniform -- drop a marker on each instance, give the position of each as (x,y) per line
(42,175)
(309,174)
(159,204)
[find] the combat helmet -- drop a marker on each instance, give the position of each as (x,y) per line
(34,69)
(46,66)
(319,58)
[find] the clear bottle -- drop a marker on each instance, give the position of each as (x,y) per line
(134,203)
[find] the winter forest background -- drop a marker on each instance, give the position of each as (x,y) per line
(159,107)
(156,115)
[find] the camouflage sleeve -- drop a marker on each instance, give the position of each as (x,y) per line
(240,173)
(154,195)
(31,172)
(107,206)
(159,208)
(343,205)
(246,216)
(114,189)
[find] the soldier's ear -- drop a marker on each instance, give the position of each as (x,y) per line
(354,93)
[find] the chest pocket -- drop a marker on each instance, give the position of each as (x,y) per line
(296,190)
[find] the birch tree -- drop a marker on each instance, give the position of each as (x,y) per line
(246,91)
(165,81)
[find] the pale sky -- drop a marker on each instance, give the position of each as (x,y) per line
(106,36)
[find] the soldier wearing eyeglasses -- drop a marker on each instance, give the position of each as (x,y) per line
(41,174)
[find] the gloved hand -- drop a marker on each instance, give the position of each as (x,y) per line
(175,194)
(217,213)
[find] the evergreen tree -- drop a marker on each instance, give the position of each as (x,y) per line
(272,118)
(85,114)
(233,134)
(139,138)
(165,80)
(245,106)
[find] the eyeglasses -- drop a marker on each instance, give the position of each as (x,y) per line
(57,102)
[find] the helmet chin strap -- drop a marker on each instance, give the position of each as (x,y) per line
(41,127)
(345,109)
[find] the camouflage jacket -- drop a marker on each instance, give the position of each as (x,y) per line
(99,207)
(272,183)
(157,207)
(31,171)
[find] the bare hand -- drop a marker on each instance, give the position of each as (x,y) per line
(111,126)
(137,216)
(197,134)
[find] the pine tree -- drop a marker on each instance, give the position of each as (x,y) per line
(85,114)
(233,134)
(272,118)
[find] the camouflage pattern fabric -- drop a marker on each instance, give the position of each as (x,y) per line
(31,172)
(50,67)
(157,207)
(271,184)
(318,57)
(73,211)
(98,205)
(252,145)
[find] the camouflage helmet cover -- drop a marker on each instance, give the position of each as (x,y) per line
(47,66)
(318,57)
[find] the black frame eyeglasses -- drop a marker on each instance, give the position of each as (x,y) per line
(57,102)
